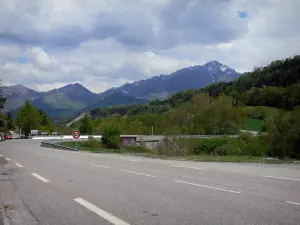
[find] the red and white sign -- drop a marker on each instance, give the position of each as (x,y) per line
(76,134)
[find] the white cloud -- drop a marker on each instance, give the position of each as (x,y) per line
(49,43)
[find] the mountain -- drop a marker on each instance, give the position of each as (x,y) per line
(62,103)
(16,95)
(116,99)
(188,78)
(58,103)
(72,99)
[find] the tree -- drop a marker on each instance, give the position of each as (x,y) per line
(86,126)
(9,121)
(111,136)
(30,121)
(29,118)
(2,101)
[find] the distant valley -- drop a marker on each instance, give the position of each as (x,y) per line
(68,101)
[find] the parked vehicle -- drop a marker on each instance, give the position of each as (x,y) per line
(7,136)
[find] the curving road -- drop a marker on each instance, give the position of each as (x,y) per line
(47,186)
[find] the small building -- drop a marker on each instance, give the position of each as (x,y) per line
(128,140)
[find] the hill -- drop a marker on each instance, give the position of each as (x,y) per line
(71,100)
(16,96)
(275,85)
(188,78)
(115,99)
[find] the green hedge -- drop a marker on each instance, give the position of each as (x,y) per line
(243,145)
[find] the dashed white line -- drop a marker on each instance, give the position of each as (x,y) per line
(187,167)
(99,166)
(40,177)
(204,186)
(19,165)
(130,160)
(7,159)
(294,203)
(142,174)
(283,178)
(1,155)
(105,215)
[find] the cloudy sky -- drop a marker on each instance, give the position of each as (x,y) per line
(46,44)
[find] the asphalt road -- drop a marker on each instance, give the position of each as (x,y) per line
(47,186)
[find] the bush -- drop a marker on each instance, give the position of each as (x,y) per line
(92,142)
(243,145)
(136,149)
(208,145)
(111,136)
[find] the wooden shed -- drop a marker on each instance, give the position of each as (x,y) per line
(128,140)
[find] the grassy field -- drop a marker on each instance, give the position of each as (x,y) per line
(192,157)
(253,124)
(82,146)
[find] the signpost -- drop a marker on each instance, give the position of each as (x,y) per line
(76,135)
(34,132)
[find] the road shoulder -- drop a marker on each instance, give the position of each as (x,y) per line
(13,211)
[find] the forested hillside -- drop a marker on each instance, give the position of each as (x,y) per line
(269,95)
(276,85)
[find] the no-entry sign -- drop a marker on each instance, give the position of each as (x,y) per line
(76,134)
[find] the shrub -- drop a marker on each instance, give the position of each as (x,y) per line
(111,136)
(208,145)
(92,142)
(136,149)
(243,145)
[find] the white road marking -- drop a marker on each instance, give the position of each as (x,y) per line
(204,186)
(7,159)
(130,160)
(60,157)
(188,167)
(40,177)
(1,155)
(100,166)
(142,174)
(294,203)
(105,215)
(19,165)
(284,178)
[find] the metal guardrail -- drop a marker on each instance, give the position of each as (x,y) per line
(50,144)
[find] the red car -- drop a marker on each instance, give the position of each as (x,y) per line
(7,136)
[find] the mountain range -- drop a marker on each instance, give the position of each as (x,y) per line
(66,102)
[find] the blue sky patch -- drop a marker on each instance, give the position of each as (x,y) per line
(242,14)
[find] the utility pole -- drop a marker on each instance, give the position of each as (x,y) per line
(152,130)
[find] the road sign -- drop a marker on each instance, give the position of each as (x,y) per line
(76,134)
(34,131)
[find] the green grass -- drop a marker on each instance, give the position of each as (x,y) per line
(200,158)
(253,124)
(211,158)
(82,146)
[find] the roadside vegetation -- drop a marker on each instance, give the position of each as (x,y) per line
(266,100)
